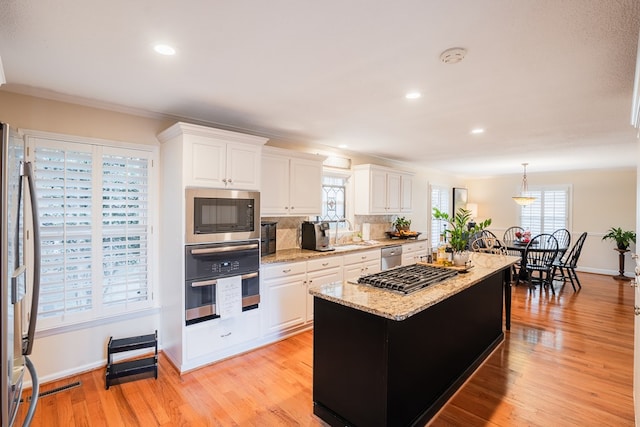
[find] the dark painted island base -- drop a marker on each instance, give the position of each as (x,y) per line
(369,370)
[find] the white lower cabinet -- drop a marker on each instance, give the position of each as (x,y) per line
(285,299)
(215,336)
(321,272)
(289,304)
(361,263)
(414,252)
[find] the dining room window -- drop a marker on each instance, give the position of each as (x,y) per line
(439,199)
(549,212)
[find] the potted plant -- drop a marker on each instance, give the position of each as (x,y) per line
(402,224)
(622,238)
(459,231)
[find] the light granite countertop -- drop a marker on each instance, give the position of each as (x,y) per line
(297,254)
(399,307)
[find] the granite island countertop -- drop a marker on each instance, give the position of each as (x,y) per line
(297,254)
(394,306)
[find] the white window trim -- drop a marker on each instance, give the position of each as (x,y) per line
(99,315)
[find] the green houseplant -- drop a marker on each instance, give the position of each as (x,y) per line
(401,223)
(459,231)
(622,238)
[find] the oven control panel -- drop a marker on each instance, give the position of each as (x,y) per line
(225,267)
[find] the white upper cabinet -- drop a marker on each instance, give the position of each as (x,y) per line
(217,158)
(406,201)
(381,190)
(291,183)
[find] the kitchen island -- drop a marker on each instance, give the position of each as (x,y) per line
(385,359)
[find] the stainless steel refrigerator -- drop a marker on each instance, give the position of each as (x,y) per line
(19,299)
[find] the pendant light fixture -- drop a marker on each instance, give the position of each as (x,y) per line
(524,199)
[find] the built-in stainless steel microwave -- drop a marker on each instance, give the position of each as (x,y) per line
(221,215)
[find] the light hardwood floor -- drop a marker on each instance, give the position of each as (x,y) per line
(568,360)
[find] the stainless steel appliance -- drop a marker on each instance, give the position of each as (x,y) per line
(408,279)
(19,299)
(214,215)
(268,237)
(207,263)
(391,256)
(315,236)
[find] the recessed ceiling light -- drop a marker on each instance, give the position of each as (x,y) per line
(413,95)
(164,49)
(477,131)
(343,146)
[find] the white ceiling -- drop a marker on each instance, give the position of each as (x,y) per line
(551,81)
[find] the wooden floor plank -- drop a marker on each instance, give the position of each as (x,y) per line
(567,361)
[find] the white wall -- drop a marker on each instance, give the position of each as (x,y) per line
(600,199)
(77,350)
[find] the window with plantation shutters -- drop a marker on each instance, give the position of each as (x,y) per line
(440,200)
(95,224)
(125,182)
(549,212)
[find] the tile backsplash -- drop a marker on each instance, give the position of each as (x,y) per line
(288,229)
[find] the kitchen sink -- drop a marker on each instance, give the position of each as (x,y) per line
(349,247)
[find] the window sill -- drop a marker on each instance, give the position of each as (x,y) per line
(97,322)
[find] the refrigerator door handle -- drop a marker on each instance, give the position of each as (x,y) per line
(33,315)
(16,295)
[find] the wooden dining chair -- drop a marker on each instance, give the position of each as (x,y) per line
(489,245)
(567,265)
(510,236)
(563,237)
(540,254)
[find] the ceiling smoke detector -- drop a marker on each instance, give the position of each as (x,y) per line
(453,55)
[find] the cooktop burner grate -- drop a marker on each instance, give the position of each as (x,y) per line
(407,279)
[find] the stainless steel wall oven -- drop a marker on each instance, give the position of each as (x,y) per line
(205,264)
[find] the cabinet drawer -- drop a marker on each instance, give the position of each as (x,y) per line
(215,335)
(287,269)
(324,263)
(363,256)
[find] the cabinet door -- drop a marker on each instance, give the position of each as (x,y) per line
(321,277)
(286,302)
(351,272)
(274,194)
(406,201)
(207,159)
(243,166)
(305,187)
(371,267)
(394,193)
(378,192)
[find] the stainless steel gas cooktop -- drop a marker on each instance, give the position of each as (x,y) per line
(407,279)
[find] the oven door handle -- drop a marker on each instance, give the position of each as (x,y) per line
(249,276)
(223,249)
(204,283)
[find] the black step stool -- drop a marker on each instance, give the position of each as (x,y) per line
(131,367)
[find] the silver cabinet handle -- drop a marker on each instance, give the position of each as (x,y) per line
(225,335)
(324,264)
(288,270)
